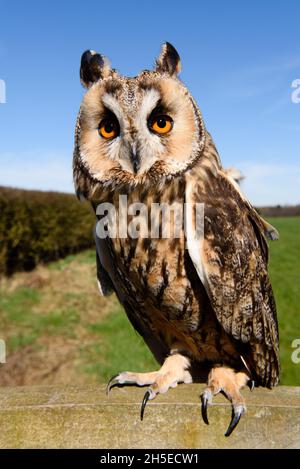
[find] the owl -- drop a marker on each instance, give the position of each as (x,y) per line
(203,305)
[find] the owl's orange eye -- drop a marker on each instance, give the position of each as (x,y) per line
(161,124)
(109,128)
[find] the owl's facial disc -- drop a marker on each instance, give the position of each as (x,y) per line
(137,129)
(136,123)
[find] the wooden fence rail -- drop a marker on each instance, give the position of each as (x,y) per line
(84,417)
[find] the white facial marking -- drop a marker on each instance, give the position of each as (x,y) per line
(150,146)
(115,149)
(149,102)
(112,104)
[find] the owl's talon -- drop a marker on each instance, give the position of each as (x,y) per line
(149,395)
(226,381)
(111,383)
(173,371)
(145,400)
(204,402)
(237,412)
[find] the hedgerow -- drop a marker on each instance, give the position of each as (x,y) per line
(40,227)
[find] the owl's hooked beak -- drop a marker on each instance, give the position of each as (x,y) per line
(135,159)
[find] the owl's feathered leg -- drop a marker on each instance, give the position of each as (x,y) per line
(228,382)
(173,371)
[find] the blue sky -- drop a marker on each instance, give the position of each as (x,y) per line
(239,60)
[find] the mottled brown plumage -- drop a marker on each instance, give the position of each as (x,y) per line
(210,302)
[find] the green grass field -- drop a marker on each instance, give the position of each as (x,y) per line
(59,330)
(285,275)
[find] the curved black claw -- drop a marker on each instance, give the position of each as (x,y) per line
(111,383)
(251,384)
(204,402)
(237,412)
(145,400)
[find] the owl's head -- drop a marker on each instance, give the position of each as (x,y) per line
(140,130)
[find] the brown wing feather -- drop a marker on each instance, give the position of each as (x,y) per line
(233,268)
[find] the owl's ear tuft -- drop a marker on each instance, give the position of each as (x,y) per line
(93,67)
(169,60)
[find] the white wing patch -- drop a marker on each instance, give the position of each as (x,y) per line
(100,288)
(194,243)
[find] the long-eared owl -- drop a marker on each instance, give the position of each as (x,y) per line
(204,306)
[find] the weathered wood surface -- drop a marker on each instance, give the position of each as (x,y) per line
(84,417)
